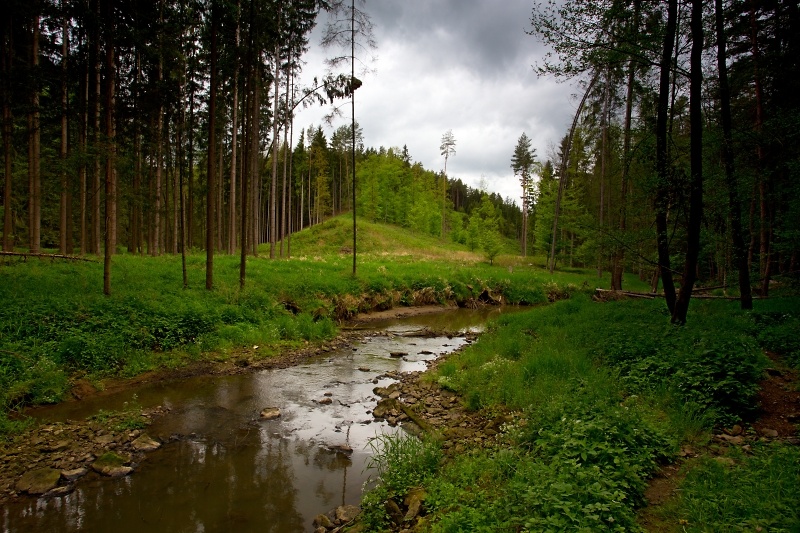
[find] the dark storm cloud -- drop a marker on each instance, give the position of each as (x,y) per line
(485,36)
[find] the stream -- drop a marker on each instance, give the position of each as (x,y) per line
(221,468)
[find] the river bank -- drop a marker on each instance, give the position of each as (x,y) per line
(61,453)
(336,378)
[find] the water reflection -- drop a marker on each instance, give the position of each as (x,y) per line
(230,471)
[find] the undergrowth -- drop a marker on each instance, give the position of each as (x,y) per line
(606,393)
(739,492)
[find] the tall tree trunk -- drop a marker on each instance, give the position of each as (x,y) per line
(291,164)
(135,237)
(157,215)
(96,225)
(563,172)
(212,141)
(603,166)
(234,145)
(301,213)
(696,161)
(353,124)
(181,206)
(739,250)
(7,51)
(286,149)
(220,230)
(35,148)
(110,185)
(63,222)
(83,139)
(176,198)
(662,158)
(190,175)
(255,175)
(273,219)
(618,260)
(761,177)
(247,97)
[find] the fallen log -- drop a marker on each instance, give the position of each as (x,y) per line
(26,255)
(606,293)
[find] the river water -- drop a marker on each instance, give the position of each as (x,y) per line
(222,468)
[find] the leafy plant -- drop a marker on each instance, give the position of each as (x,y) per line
(401,463)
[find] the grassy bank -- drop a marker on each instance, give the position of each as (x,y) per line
(605,394)
(56,326)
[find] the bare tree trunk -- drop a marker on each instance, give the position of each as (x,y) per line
(7,59)
(603,166)
(286,149)
(234,130)
(212,141)
(662,160)
(563,174)
(353,124)
(696,160)
(95,192)
(181,206)
(82,176)
(135,245)
(619,255)
(291,161)
(176,197)
(190,177)
(111,182)
(247,97)
(761,178)
(35,152)
(739,251)
(220,231)
(300,215)
(255,177)
(273,220)
(63,222)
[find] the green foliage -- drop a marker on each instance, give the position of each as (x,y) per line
(127,419)
(401,462)
(757,492)
(712,363)
(9,427)
(588,437)
(775,326)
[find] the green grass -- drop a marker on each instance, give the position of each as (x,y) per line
(606,394)
(56,324)
(758,492)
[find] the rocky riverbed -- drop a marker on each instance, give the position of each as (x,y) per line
(420,405)
(48,460)
(54,458)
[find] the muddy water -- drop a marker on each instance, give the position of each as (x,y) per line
(222,468)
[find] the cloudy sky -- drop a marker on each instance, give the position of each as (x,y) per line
(460,65)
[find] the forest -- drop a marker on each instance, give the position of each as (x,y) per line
(129,125)
(683,151)
(643,375)
(168,126)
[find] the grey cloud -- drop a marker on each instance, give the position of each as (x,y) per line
(463,65)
